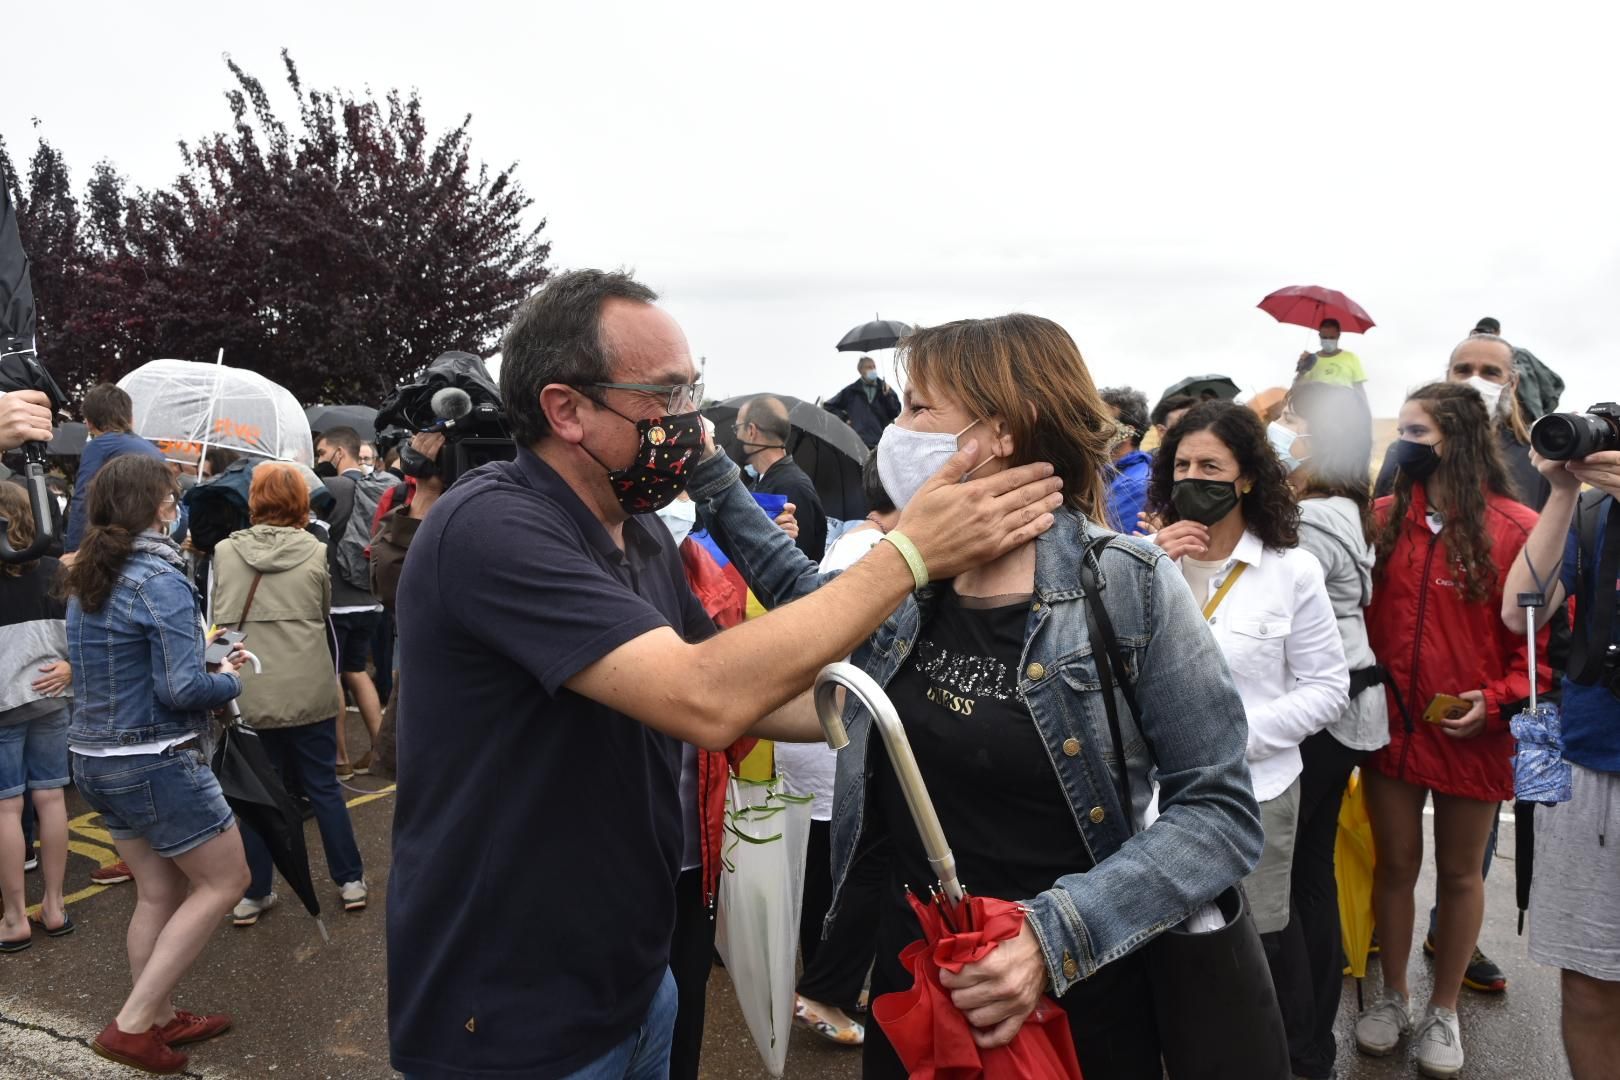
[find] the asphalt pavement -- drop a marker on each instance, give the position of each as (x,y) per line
(308,1009)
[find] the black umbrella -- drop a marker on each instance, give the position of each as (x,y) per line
(821,444)
(1204,386)
(878,334)
(20,369)
(363,418)
(255,792)
(1524,854)
(69,440)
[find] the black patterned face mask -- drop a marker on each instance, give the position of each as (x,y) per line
(657,475)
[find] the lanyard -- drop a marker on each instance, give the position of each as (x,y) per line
(1226,587)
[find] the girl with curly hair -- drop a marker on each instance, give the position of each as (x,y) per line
(1232,525)
(1445,540)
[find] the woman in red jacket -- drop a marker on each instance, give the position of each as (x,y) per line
(1445,541)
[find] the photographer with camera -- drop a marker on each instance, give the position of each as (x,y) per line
(1574,550)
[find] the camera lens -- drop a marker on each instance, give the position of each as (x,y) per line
(1568,436)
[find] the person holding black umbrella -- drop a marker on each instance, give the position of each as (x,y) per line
(763,428)
(271,581)
(868,404)
(25,416)
(139,759)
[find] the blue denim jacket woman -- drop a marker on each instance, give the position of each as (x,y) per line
(135,637)
(138,661)
(1192,733)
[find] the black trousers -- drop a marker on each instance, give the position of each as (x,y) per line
(691,958)
(835,969)
(1314,907)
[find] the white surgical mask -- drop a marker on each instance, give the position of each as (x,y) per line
(909,459)
(1330,344)
(1283,440)
(1490,391)
(679,517)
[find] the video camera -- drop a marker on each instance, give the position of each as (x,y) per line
(456,398)
(1572,436)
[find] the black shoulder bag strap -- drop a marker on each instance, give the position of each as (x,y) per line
(1110,666)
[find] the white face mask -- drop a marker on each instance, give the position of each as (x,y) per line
(1490,391)
(1330,345)
(679,517)
(909,459)
(1283,439)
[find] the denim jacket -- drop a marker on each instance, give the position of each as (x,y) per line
(1190,741)
(138,673)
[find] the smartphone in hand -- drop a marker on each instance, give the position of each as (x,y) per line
(1446,707)
(222,646)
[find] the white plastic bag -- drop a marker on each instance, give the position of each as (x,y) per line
(761,895)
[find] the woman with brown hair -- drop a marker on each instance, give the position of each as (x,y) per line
(271,582)
(994,676)
(1445,540)
(138,736)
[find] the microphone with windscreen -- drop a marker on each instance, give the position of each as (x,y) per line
(451,404)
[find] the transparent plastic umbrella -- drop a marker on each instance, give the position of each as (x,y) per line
(185,407)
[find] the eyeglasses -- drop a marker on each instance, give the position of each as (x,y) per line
(677,397)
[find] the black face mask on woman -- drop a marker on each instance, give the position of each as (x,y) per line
(1204,501)
(1417,460)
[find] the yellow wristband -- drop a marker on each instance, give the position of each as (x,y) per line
(908,551)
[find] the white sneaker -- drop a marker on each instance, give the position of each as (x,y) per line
(354,896)
(1379,1029)
(1439,1043)
(248,911)
(31,863)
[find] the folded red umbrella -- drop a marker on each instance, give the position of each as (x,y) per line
(1308,305)
(933,1038)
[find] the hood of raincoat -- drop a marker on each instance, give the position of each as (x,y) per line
(270,549)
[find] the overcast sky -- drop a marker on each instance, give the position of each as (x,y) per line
(1142,173)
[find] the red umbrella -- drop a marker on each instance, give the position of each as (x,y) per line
(932,1037)
(1308,305)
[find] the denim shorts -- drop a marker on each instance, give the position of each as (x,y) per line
(34,754)
(171,800)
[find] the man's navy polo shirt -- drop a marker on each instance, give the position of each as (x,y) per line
(1591,713)
(538,834)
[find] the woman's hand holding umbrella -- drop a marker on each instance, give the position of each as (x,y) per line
(998,993)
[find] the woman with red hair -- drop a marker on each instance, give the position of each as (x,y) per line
(271,581)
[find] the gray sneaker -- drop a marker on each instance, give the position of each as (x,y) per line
(248,911)
(1379,1029)
(1439,1043)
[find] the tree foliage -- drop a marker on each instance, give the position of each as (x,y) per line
(336,255)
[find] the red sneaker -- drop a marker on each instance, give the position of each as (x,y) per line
(190,1028)
(111,875)
(146,1051)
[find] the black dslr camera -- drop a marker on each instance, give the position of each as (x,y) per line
(1572,436)
(455,397)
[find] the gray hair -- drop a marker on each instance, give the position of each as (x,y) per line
(556,338)
(1494,339)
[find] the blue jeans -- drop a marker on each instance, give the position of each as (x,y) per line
(34,754)
(309,753)
(644,1055)
(171,800)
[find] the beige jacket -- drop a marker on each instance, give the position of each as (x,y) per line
(286,626)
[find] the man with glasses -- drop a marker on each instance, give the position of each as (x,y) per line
(554,660)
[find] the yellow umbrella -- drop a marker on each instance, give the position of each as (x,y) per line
(1353,860)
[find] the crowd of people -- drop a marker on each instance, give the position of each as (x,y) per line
(1139,653)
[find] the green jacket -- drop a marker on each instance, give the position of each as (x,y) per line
(286,625)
